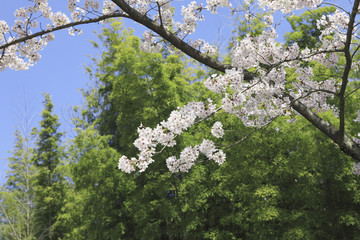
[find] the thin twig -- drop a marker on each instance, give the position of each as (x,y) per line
(352,91)
(251,133)
(159,10)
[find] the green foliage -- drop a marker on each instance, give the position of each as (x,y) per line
(291,184)
(305,32)
(93,203)
(250,22)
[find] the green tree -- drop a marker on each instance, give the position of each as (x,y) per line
(94,206)
(50,185)
(131,87)
(17,212)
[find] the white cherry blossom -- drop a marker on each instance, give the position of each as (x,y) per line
(217,130)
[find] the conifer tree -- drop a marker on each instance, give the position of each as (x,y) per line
(49,181)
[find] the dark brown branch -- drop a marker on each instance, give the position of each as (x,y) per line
(159,9)
(352,91)
(348,57)
(357,49)
(69,25)
(341,139)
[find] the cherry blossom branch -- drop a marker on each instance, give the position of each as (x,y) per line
(172,38)
(266,94)
(208,117)
(65,26)
(315,91)
(175,40)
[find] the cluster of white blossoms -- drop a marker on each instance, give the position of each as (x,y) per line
(40,18)
(59,19)
(258,101)
(192,14)
(109,7)
(217,130)
(165,133)
(149,44)
(4,28)
(24,54)
(167,14)
(190,154)
(187,159)
(14,56)
(333,30)
(287,6)
(207,147)
(204,47)
(356,169)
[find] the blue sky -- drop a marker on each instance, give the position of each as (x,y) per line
(60,72)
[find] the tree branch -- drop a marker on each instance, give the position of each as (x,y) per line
(69,25)
(338,136)
(345,142)
(174,40)
(348,57)
(357,88)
